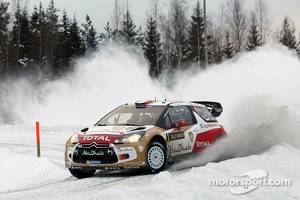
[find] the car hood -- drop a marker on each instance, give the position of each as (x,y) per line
(106,134)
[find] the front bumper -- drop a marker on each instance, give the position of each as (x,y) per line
(106,156)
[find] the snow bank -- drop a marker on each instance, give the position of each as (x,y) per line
(280,162)
(19,171)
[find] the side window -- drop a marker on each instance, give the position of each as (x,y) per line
(180,113)
(204,114)
(168,122)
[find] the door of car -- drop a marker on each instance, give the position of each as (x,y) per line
(179,123)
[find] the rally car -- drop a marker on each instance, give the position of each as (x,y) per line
(146,134)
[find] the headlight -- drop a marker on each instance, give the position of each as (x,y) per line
(130,138)
(74,139)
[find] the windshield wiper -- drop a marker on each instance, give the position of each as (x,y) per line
(101,124)
(127,124)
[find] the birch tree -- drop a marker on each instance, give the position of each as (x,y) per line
(179,29)
(263,22)
(236,19)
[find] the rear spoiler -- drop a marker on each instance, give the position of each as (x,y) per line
(214,107)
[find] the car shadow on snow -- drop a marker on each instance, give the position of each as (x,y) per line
(120,173)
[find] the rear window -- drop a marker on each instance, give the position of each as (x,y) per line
(204,114)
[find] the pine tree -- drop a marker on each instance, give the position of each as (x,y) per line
(287,37)
(89,35)
(128,29)
(38,31)
(228,47)
(196,36)
(25,39)
(4,39)
(52,38)
(109,32)
(254,38)
(64,52)
(77,44)
(19,41)
(152,48)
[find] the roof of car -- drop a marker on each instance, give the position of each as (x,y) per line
(164,103)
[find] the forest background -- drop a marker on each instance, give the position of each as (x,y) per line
(44,44)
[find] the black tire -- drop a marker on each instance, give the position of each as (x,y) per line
(80,173)
(156,157)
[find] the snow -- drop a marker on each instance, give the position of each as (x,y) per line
(25,176)
(23,171)
(261,104)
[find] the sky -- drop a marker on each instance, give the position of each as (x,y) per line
(100,10)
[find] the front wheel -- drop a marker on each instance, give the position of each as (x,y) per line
(80,173)
(156,157)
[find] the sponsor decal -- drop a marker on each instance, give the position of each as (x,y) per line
(175,136)
(204,126)
(202,144)
(132,167)
(94,162)
(125,149)
(96,137)
(75,167)
(92,153)
(112,168)
(180,147)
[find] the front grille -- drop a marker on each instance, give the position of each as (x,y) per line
(95,153)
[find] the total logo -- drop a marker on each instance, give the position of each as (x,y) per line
(202,144)
(97,137)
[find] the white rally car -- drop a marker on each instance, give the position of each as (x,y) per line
(146,134)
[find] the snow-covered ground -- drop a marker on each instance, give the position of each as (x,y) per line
(261,100)
(24,176)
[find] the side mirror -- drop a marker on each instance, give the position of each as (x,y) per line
(182,123)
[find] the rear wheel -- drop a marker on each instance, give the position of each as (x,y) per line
(156,157)
(80,173)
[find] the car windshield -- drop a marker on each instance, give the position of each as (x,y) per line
(132,115)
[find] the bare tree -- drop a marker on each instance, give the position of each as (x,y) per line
(264,22)
(217,29)
(163,27)
(117,15)
(179,22)
(236,19)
